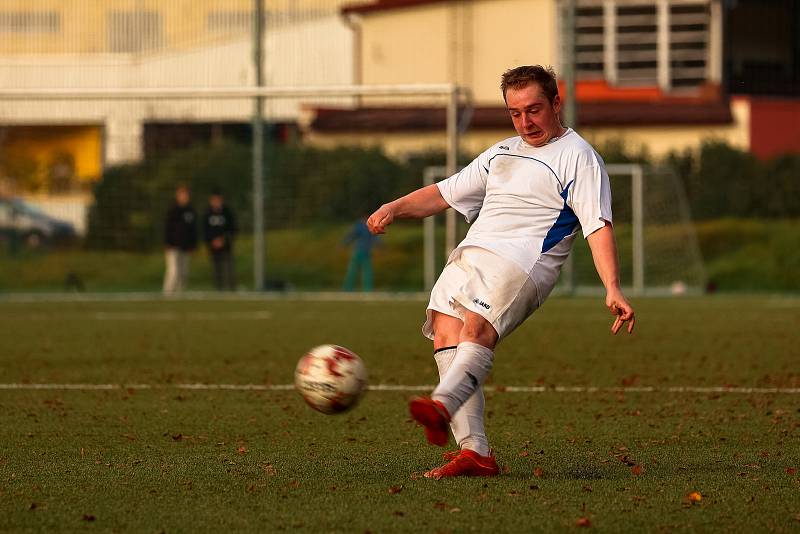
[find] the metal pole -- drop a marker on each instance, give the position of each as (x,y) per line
(429,247)
(570,112)
(452,166)
(258,151)
(637,215)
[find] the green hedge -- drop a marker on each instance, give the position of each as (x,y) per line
(304,186)
(307,185)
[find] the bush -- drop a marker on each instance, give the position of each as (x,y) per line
(722,181)
(304,186)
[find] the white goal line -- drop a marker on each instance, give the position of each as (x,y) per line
(411,388)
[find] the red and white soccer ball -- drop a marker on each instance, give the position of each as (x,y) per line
(330,378)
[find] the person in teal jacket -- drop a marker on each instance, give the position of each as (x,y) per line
(361,259)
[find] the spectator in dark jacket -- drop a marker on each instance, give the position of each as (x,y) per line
(219,229)
(180,239)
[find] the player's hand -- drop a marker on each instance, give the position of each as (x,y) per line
(622,310)
(379,220)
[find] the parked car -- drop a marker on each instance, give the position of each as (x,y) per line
(31,226)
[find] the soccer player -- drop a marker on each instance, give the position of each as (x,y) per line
(527,198)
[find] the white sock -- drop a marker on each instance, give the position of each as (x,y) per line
(467,423)
(465,376)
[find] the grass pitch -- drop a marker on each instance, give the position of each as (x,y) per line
(167,458)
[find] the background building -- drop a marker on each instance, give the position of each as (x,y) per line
(659,74)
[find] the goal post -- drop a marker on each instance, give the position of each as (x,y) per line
(658,248)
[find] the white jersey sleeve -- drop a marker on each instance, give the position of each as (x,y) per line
(465,191)
(590,197)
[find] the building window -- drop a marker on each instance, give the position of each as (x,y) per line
(668,43)
(30,22)
(134,31)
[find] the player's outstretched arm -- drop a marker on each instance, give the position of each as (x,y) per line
(604,254)
(416,205)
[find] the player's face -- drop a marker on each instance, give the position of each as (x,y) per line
(534,117)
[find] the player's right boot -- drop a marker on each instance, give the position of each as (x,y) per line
(466,463)
(434,417)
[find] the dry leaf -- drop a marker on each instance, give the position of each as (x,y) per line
(583,522)
(637,470)
(268,469)
(395,489)
(538,472)
(88,517)
(695,496)
(791,470)
(242,450)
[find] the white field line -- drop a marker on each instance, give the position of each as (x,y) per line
(412,388)
(156,316)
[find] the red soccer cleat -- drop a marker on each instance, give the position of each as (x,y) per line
(467,463)
(434,417)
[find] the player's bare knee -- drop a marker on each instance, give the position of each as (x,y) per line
(478,330)
(446,330)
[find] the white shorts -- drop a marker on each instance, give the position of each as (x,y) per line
(482,282)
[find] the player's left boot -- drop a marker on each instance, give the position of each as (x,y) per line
(434,417)
(466,463)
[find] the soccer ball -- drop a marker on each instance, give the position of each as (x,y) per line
(330,378)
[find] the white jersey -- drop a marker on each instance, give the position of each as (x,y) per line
(527,203)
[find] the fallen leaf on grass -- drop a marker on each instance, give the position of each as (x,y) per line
(242,450)
(88,517)
(455,510)
(440,505)
(630,380)
(268,469)
(637,470)
(583,522)
(394,490)
(538,472)
(791,471)
(524,453)
(398,513)
(694,496)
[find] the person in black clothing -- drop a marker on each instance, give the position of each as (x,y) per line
(180,239)
(219,225)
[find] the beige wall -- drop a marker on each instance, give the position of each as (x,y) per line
(84,23)
(468,43)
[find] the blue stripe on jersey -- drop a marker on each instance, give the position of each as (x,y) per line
(564,225)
